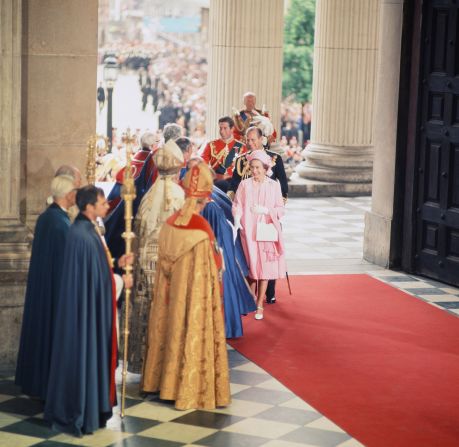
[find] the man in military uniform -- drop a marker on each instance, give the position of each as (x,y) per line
(243,119)
(221,154)
(241,170)
(254,137)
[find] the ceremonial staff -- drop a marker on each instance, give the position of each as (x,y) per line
(94,143)
(128,195)
(91,160)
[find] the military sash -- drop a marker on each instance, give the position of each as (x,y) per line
(224,159)
(229,158)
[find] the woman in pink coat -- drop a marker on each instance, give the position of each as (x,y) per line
(259,199)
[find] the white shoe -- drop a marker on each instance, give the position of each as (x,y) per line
(259,316)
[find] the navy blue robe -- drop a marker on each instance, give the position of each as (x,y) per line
(42,293)
(114,222)
(81,373)
(224,202)
(237,297)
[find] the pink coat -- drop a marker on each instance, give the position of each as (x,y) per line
(266,260)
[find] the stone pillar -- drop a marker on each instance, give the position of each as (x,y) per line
(245,54)
(345,51)
(12,229)
(14,236)
(48,64)
(60,88)
(379,222)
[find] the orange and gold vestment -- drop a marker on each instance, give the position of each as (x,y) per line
(186,358)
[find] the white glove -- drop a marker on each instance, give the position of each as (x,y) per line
(258,209)
(119,285)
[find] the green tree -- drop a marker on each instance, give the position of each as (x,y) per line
(298,50)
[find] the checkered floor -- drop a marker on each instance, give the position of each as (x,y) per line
(263,413)
(433,292)
(322,236)
(325,235)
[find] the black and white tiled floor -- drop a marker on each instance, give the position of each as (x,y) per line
(263,413)
(433,292)
(323,236)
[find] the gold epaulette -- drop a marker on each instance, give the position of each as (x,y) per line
(274,156)
(244,170)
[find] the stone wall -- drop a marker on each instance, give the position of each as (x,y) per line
(48,65)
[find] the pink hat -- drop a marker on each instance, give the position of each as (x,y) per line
(260,155)
(263,157)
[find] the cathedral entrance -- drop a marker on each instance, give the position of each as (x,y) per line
(436,248)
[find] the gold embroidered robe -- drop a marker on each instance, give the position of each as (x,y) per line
(162,200)
(186,358)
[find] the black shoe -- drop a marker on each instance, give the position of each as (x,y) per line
(271,300)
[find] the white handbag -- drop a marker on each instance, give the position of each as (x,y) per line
(266,232)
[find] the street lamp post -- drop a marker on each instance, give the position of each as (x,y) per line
(110,76)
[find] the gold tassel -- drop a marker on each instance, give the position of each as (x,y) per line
(167,198)
(186,212)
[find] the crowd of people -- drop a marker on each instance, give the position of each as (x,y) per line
(295,131)
(208,252)
(172,81)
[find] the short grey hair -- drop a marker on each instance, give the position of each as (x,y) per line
(172,131)
(148,139)
(249,94)
(61,185)
(67,170)
(254,129)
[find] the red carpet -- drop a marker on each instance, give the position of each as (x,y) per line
(380,363)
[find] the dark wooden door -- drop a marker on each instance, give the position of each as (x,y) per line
(437,204)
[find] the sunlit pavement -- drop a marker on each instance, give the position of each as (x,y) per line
(127,108)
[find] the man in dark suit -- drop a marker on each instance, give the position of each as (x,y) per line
(241,171)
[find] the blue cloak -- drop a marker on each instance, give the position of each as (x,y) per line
(82,356)
(114,222)
(224,202)
(42,293)
(237,297)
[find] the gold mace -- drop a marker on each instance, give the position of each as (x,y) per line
(128,195)
(91,160)
(91,156)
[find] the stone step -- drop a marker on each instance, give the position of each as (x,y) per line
(300,187)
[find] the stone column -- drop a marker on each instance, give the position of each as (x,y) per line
(345,51)
(48,64)
(12,229)
(14,236)
(245,54)
(379,222)
(60,86)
